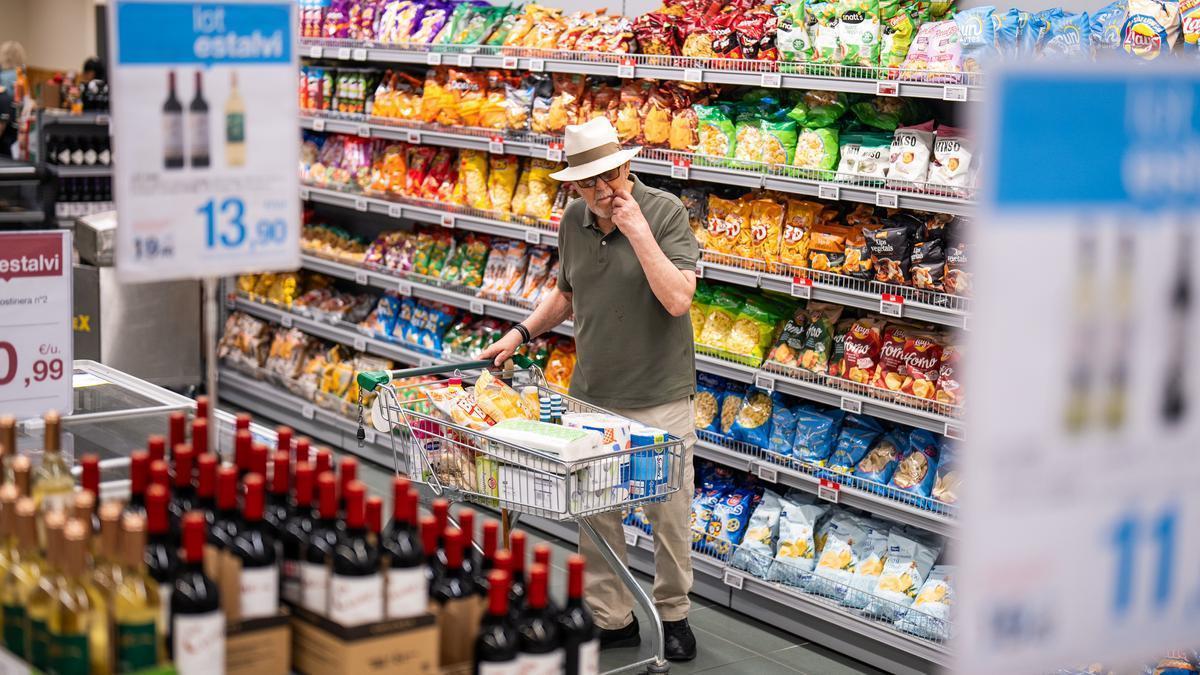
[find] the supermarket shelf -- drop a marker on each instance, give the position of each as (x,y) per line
(28,216)
(445,215)
(14,169)
(75,119)
(419,289)
(78,171)
(733,371)
(688,69)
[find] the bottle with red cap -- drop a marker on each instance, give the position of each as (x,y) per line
(441,513)
(466,523)
(242,442)
(356,589)
(206,486)
(183,494)
(283,440)
(228,520)
(197,627)
(407,583)
(255,547)
(278,508)
(324,461)
(241,422)
(301,451)
(161,558)
(199,436)
(295,534)
(454,584)
(497,645)
(202,409)
(375,519)
(258,458)
(139,480)
(581,640)
(541,556)
(347,473)
(487,560)
(314,573)
(160,475)
(517,590)
(540,639)
(176,430)
(89,480)
(157,447)
(429,539)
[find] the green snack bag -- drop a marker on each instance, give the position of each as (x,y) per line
(714,130)
(896,36)
(793,36)
(504,27)
(817,149)
(824,36)
(817,109)
(779,137)
(858,32)
(701,305)
(887,113)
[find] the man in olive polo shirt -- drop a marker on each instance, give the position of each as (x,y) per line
(627,272)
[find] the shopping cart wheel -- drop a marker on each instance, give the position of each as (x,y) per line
(658,668)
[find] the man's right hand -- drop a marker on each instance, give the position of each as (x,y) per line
(501,350)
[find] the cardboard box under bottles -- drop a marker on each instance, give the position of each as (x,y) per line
(322,647)
(259,646)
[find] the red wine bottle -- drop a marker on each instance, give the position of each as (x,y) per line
(89,481)
(375,519)
(407,580)
(314,572)
(202,408)
(295,533)
(497,645)
(581,641)
(183,495)
(176,430)
(441,514)
(139,480)
(160,474)
(255,547)
(347,473)
(283,440)
(356,589)
(429,540)
(227,520)
(161,558)
(197,628)
(324,461)
(487,561)
(541,556)
(242,422)
(517,591)
(206,487)
(157,447)
(242,441)
(278,509)
(302,451)
(454,584)
(258,458)
(200,436)
(540,639)
(466,523)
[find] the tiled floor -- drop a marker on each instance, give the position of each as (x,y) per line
(728,642)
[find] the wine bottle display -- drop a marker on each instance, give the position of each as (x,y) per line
(235,125)
(314,571)
(255,547)
(197,622)
(295,534)
(407,583)
(53,484)
(78,624)
(172,129)
(356,589)
(581,640)
(199,136)
(136,603)
(496,646)
(541,647)
(160,554)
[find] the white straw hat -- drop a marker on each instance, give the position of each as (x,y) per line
(591,149)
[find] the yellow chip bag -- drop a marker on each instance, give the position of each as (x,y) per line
(502,180)
(766,228)
(473,176)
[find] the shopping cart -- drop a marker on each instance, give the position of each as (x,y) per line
(467,464)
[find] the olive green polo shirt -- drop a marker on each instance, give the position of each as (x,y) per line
(631,352)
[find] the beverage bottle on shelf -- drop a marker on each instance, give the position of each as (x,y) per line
(198,129)
(77,151)
(136,605)
(197,627)
(53,483)
(301,451)
(89,480)
(278,511)
(497,645)
(8,447)
(466,523)
(347,473)
(283,440)
(241,422)
(206,486)
(407,583)
(429,541)
(23,476)
(161,557)
(24,571)
(258,459)
(157,447)
(517,590)
(106,566)
(295,534)
(487,562)
(356,594)
(324,461)
(227,521)
(255,547)
(44,596)
(91,152)
(160,474)
(541,556)
(200,442)
(453,594)
(375,520)
(83,505)
(235,125)
(203,412)
(8,539)
(242,444)
(183,494)
(79,635)
(176,431)
(139,479)
(540,639)
(581,640)
(314,572)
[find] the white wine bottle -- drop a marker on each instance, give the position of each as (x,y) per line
(235,125)
(136,604)
(44,598)
(23,574)
(79,622)
(53,485)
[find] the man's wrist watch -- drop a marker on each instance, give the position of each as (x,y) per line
(525,336)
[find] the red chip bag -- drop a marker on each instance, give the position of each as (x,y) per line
(889,374)
(922,363)
(419,160)
(949,390)
(861,350)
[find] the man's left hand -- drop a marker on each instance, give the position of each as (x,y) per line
(627,215)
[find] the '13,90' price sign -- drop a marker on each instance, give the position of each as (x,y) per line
(35,323)
(205,129)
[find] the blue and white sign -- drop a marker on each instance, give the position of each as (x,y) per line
(204,119)
(1081,513)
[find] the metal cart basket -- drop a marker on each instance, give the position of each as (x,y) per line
(472,464)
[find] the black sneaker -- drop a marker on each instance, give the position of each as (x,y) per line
(680,642)
(629,636)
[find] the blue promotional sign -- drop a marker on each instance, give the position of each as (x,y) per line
(204,119)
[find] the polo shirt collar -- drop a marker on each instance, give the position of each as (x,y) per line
(639,194)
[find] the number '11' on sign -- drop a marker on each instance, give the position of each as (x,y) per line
(1129,536)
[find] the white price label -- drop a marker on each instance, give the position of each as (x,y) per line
(631,538)
(307,411)
(537,65)
(496,145)
(699,270)
(851,405)
(830,192)
(360,277)
(465,60)
(414,137)
(404,287)
(886,88)
(475,306)
(318,124)
(433,59)
(764,382)
(424,362)
(966,322)
(888,200)
(360,343)
(693,75)
(364,130)
(361,204)
(829,490)
(953,431)
(891,305)
(768,473)
(533,237)
(554,152)
(359,54)
(680,171)
(286,321)
(230,301)
(36,339)
(802,288)
(734,580)
(304,194)
(772,80)
(343,53)
(314,52)
(395,210)
(448,220)
(626,70)
(509,62)
(101,120)
(954,92)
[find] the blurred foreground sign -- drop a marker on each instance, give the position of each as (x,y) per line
(1081,513)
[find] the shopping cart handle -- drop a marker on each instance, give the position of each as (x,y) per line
(368,380)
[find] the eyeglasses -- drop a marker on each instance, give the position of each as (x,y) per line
(608,177)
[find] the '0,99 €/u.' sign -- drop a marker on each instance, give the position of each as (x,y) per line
(205,129)
(35,323)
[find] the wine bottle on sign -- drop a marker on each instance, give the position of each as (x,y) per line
(197,640)
(255,547)
(356,590)
(407,580)
(198,126)
(295,534)
(497,645)
(581,640)
(540,639)
(314,572)
(235,125)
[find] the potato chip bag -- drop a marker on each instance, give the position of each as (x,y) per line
(701,305)
(790,344)
(916,471)
(909,558)
(977,37)
(748,144)
(889,373)
(1151,30)
(725,306)
(881,460)
(684,133)
(778,137)
(502,180)
(796,551)
(710,389)
(731,405)
(910,152)
(629,109)
(861,586)
(858,32)
(801,216)
(792,34)
(957,279)
(827,248)
(825,39)
(816,431)
(561,366)
(1068,37)
(817,149)
(473,172)
(922,363)
(722,216)
(818,336)
(930,614)
(766,228)
(891,248)
(752,331)
(861,348)
(1105,27)
(758,544)
(522,191)
(896,37)
(949,390)
(851,446)
(714,131)
(845,544)
(945,58)
(729,519)
(783,429)
(542,189)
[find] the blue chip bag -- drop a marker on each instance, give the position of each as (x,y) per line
(1035,29)
(796,549)
(852,446)
(977,37)
(702,513)
(729,519)
(783,429)
(1008,30)
(1105,28)
(731,405)
(710,389)
(382,320)
(929,616)
(816,431)
(917,470)
(753,422)
(910,557)
(949,477)
(758,545)
(863,422)
(1068,37)
(880,462)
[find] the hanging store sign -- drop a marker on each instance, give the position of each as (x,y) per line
(1081,517)
(204,119)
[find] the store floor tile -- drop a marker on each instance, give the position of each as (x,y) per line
(813,659)
(759,665)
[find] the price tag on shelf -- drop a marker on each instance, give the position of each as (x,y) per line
(626,69)
(360,277)
(448,220)
(286,321)
(888,200)
(681,168)
(343,53)
(101,120)
(314,52)
(767,473)
(830,192)
(693,75)
(509,62)
(699,270)
(307,411)
(537,65)
(802,288)
(772,80)
(230,301)
(891,305)
(475,307)
(496,145)
(954,92)
(966,322)
(734,579)
(395,210)
(764,382)
(368,435)
(404,288)
(433,59)
(36,337)
(359,54)
(887,88)
(361,204)
(425,362)
(533,237)
(318,124)
(304,194)
(829,490)
(465,61)
(954,431)
(413,136)
(364,130)
(360,343)
(554,152)
(851,405)
(631,538)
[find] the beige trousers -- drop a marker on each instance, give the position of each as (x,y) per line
(609,599)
